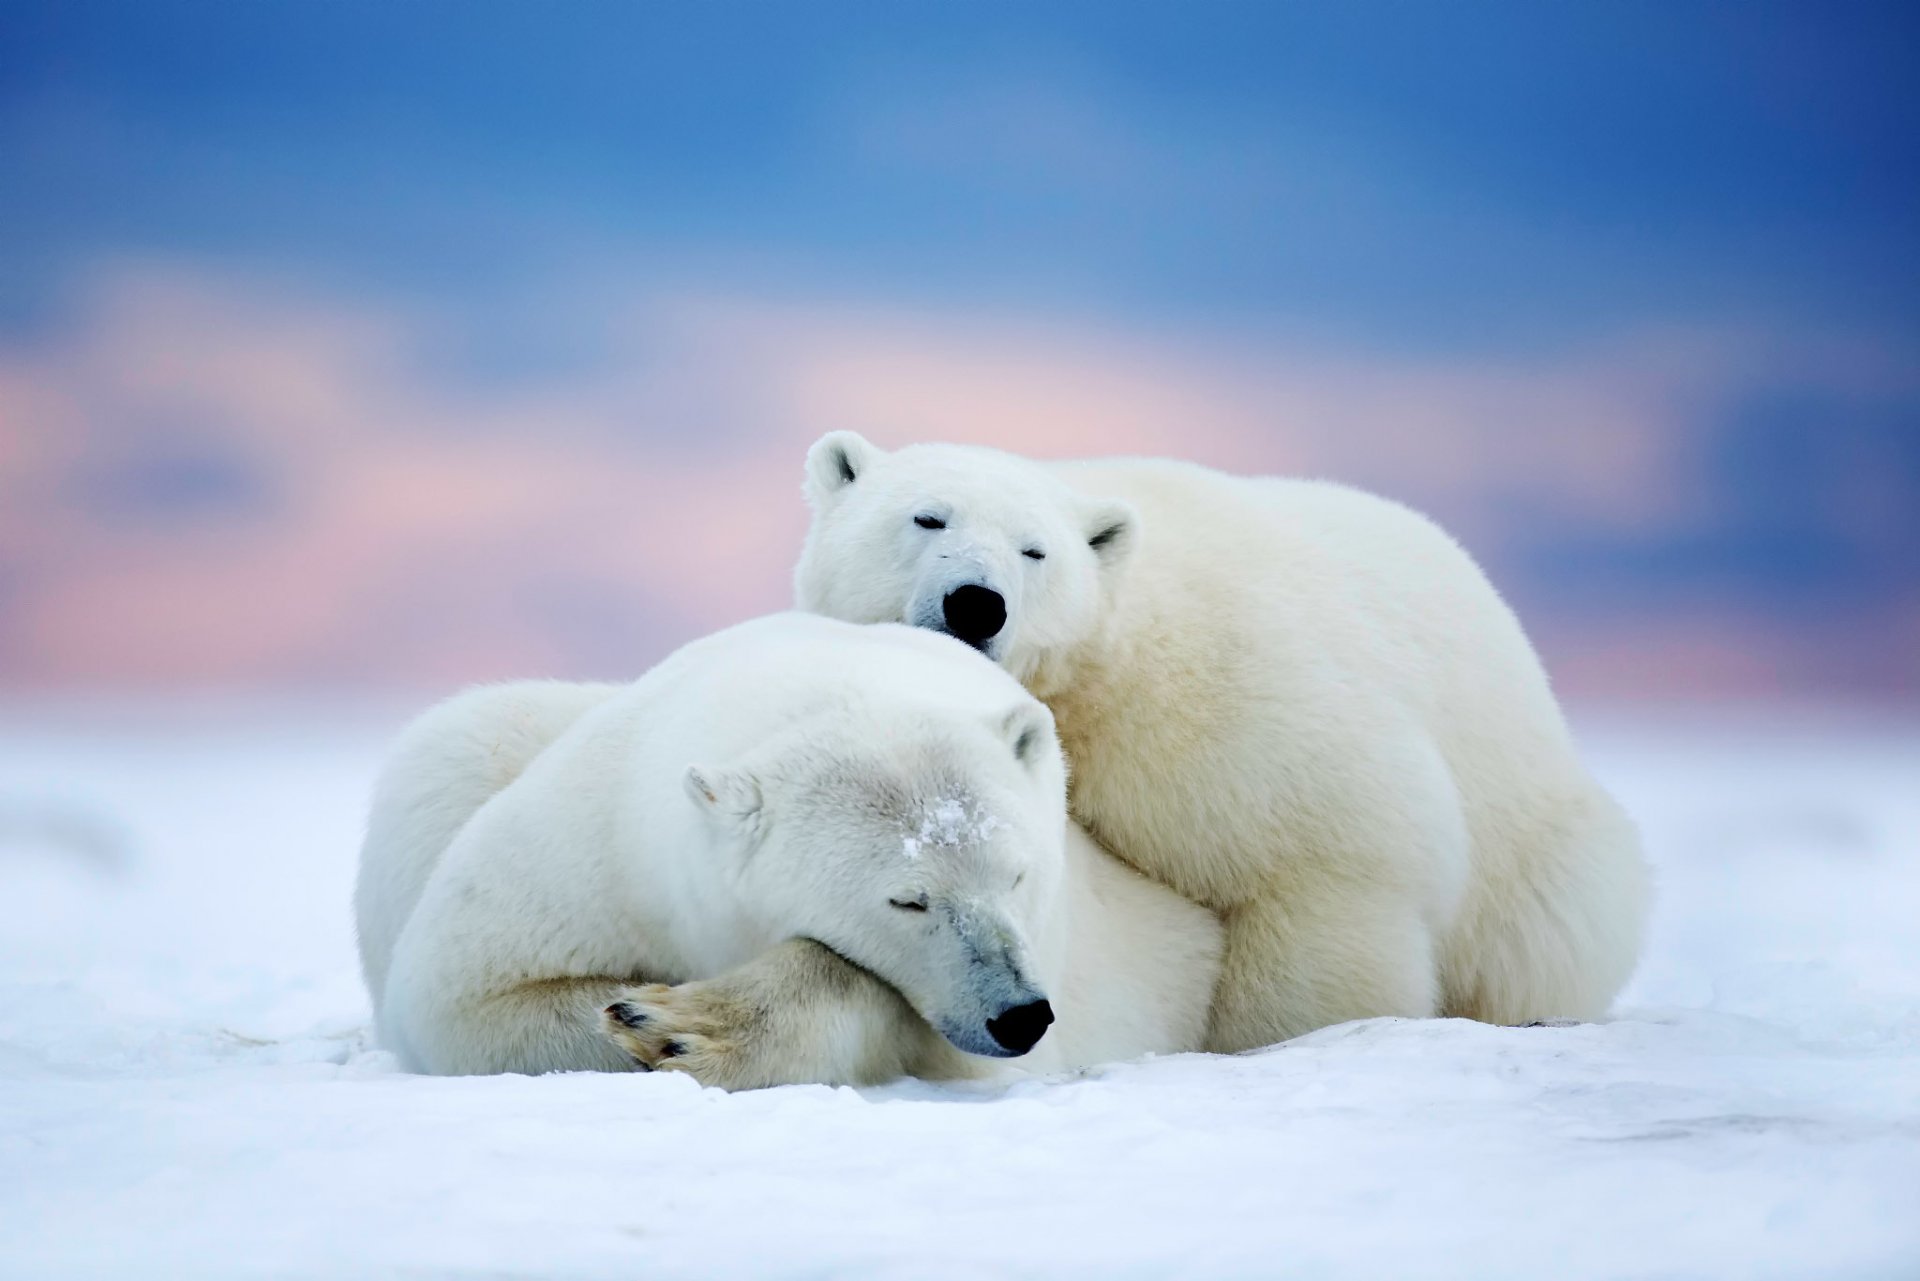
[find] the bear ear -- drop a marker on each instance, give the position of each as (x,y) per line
(836,461)
(1112,527)
(731,796)
(1028,731)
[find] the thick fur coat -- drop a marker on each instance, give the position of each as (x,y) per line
(797,850)
(1299,704)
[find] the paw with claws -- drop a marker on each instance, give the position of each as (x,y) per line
(696,1028)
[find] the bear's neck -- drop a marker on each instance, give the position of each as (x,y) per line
(1078,684)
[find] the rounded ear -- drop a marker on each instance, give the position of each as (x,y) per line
(836,461)
(1113,527)
(731,796)
(1028,731)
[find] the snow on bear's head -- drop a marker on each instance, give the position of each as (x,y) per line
(925,845)
(984,546)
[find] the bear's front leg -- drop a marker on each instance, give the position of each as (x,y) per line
(798,1013)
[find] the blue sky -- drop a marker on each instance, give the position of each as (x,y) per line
(1434,175)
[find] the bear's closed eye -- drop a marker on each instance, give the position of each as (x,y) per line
(929,522)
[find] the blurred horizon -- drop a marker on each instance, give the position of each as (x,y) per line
(353,347)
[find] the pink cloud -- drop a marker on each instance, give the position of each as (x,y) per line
(419,528)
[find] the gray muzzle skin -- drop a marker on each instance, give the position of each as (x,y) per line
(1012,1032)
(1009,1014)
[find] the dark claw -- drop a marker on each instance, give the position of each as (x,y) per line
(624,1013)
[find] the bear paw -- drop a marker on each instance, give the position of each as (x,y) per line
(690,1028)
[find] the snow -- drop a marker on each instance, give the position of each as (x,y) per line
(187,1088)
(948,822)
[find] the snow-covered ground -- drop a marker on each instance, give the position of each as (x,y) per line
(187,1089)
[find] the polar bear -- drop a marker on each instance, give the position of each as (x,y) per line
(1298,704)
(548,884)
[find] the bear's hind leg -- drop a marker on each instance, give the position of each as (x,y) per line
(1558,937)
(1295,963)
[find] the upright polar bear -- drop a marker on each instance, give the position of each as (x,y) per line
(539,853)
(1295,703)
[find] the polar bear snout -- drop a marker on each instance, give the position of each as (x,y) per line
(1022,1019)
(998,1011)
(1019,1028)
(974,613)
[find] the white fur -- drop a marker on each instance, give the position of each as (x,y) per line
(1299,704)
(537,850)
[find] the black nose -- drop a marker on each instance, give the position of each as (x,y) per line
(974,613)
(1019,1029)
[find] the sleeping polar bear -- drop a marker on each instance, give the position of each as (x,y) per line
(1299,704)
(547,882)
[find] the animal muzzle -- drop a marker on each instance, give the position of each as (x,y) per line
(1004,1013)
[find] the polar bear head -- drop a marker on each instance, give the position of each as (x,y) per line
(925,845)
(982,545)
